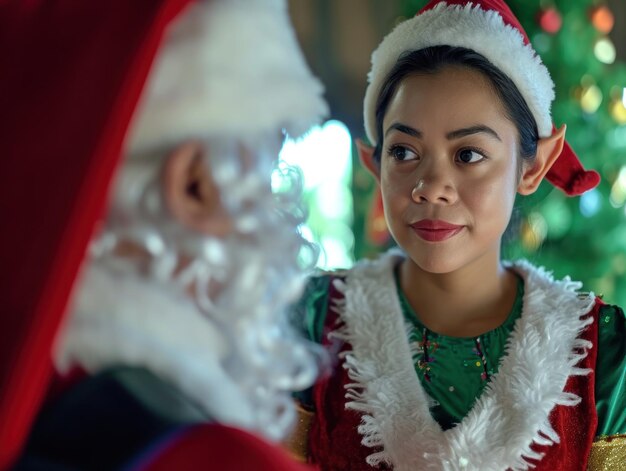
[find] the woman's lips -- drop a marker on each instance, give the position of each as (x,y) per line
(435,230)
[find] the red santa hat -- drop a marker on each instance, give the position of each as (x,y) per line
(72,75)
(490,28)
(228,68)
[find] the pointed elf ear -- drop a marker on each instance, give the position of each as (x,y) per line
(190,194)
(366,155)
(548,151)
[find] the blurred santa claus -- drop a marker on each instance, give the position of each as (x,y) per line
(145,323)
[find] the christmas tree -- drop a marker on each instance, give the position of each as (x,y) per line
(583,237)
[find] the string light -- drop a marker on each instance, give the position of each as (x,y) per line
(604,50)
(590,203)
(534,231)
(602,18)
(617,105)
(589,95)
(618,190)
(550,20)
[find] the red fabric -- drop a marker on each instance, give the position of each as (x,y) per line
(72,72)
(335,442)
(576,426)
(567,173)
(497,5)
(220,447)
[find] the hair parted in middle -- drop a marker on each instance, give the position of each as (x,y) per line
(432,60)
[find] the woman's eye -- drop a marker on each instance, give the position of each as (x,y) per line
(402,153)
(469,156)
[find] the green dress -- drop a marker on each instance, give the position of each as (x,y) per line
(454,371)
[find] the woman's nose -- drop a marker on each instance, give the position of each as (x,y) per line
(435,189)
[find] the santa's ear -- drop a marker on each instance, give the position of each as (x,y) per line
(548,150)
(366,154)
(190,193)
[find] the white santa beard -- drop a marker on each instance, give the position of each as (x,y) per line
(229,347)
(122,319)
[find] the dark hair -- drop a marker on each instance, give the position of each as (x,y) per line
(431,60)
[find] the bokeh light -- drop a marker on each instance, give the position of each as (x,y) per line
(618,190)
(604,50)
(324,156)
(590,203)
(589,95)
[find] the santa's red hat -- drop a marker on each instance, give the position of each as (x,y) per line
(72,75)
(490,28)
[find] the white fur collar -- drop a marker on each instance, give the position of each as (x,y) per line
(160,330)
(513,410)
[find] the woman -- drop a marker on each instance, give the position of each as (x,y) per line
(447,357)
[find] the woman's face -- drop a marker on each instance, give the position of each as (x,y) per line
(449,169)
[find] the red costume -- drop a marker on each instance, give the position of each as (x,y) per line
(334,444)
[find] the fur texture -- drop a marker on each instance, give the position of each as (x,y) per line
(178,309)
(471,27)
(508,417)
(119,319)
(223,60)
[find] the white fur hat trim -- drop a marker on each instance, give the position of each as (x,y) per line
(227,68)
(471,27)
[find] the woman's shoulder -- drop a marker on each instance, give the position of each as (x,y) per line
(538,278)
(309,313)
(320,284)
(324,284)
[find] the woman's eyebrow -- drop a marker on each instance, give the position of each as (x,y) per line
(456,134)
(479,128)
(404,129)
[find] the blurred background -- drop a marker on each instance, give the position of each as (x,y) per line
(583,44)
